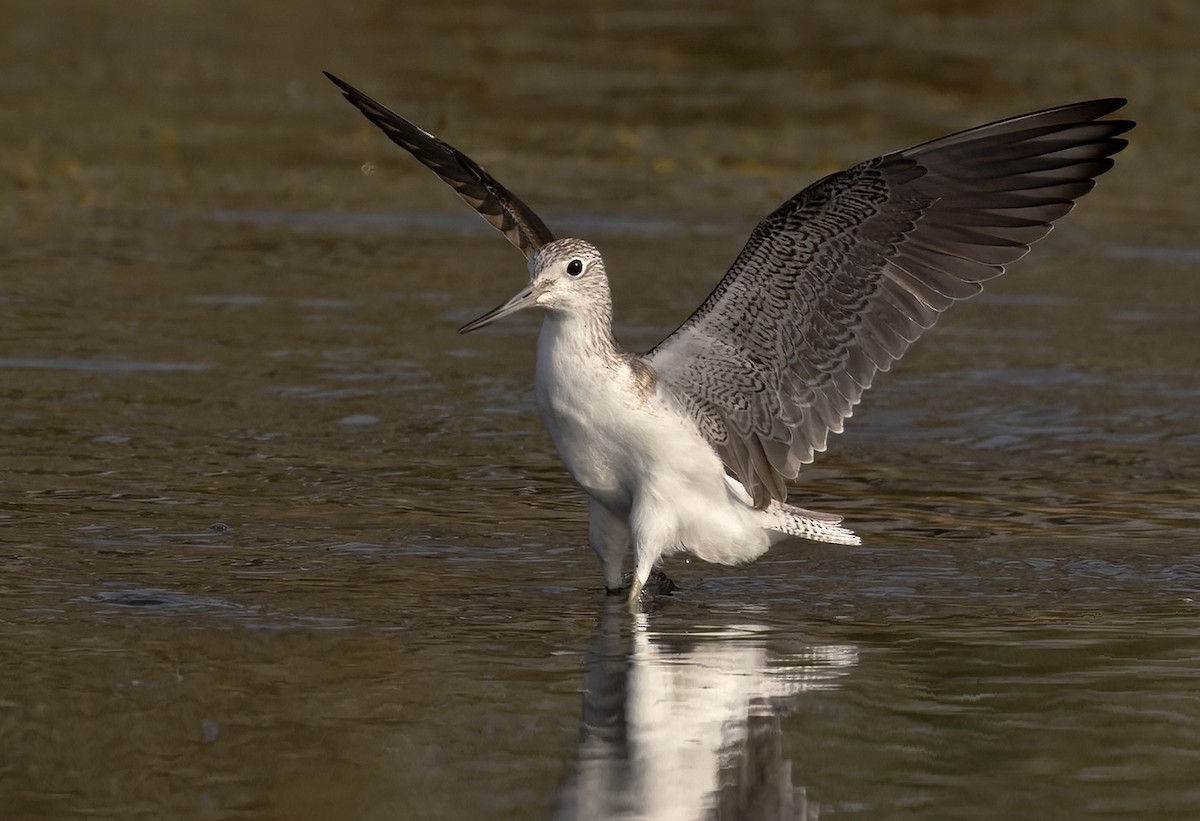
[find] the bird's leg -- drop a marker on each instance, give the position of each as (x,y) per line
(608,535)
(650,537)
(657,583)
(640,575)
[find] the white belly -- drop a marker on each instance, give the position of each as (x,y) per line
(606,433)
(635,451)
(630,450)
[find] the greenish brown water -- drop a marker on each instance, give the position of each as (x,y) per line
(277,543)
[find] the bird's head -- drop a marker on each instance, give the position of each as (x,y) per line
(566,275)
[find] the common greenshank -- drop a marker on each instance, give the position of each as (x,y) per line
(689,448)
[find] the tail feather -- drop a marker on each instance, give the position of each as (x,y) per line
(788,520)
(808,524)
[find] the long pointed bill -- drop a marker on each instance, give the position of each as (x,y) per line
(524,299)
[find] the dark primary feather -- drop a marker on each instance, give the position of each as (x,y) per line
(495,203)
(835,284)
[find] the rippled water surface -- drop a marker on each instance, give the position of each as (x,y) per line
(277,543)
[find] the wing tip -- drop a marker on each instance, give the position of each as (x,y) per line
(346,88)
(1111,103)
(497,205)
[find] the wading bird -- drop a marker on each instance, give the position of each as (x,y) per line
(690,447)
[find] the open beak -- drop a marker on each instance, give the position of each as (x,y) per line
(526,298)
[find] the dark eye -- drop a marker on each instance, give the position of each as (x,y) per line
(574,268)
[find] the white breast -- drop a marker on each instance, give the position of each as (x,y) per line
(631,447)
(608,422)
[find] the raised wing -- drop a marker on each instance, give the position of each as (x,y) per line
(836,284)
(495,203)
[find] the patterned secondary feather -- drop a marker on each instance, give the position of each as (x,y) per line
(835,285)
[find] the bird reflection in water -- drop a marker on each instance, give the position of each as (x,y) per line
(690,731)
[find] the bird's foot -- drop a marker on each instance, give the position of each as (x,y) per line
(658,584)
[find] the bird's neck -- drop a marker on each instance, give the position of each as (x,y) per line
(581,338)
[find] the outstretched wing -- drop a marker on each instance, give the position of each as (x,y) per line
(834,285)
(495,203)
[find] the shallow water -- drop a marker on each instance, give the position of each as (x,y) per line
(277,543)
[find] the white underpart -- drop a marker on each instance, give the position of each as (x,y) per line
(655,483)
